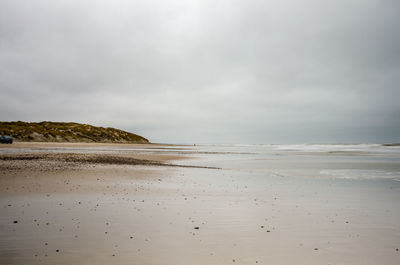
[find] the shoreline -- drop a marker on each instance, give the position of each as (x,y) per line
(107,206)
(17,144)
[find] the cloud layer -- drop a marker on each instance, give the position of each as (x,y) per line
(206,71)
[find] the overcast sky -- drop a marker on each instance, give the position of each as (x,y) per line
(181,71)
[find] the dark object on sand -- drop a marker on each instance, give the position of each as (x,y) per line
(196,227)
(6,139)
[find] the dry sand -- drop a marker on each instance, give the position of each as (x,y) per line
(58,210)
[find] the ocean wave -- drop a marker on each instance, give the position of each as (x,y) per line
(361,174)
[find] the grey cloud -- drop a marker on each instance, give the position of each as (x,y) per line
(206,71)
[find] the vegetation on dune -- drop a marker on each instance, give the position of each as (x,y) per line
(47,131)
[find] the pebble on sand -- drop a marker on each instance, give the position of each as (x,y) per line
(196,227)
(15,222)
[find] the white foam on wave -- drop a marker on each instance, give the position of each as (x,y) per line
(361,174)
(330,147)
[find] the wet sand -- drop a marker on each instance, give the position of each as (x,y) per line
(57,211)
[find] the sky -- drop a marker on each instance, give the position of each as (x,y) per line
(268,71)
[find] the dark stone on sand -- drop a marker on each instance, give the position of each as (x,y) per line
(196,227)
(57,250)
(315,248)
(15,222)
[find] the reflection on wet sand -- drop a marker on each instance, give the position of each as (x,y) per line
(100,213)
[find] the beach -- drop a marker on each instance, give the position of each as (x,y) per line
(77,203)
